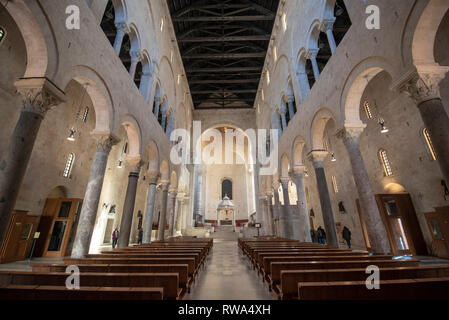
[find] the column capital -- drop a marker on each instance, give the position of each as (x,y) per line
(299,170)
(312,53)
(134,162)
(136,56)
(284,181)
(105,141)
(351,131)
(276,185)
(327,24)
(122,27)
(262,196)
(39,95)
(153,176)
(290,98)
(422,84)
(317,155)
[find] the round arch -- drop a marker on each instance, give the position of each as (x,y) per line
(319,123)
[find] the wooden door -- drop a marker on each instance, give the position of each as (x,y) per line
(363,224)
(401,224)
(19,237)
(438,223)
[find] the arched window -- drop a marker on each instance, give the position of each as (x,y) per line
(85,114)
(342,22)
(367,107)
(429,143)
(2,34)
(226,188)
(138,74)
(334,184)
(385,162)
(108,23)
(125,55)
(68,165)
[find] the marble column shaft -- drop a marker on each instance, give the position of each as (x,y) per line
(171,207)
(157,105)
(92,197)
(268,209)
(276,212)
(304,224)
(122,29)
(149,213)
(286,216)
(325,201)
(374,224)
(291,109)
(284,119)
(312,55)
(128,208)
(135,58)
(37,100)
(163,219)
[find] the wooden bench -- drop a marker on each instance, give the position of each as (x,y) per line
(409,289)
(274,276)
(34,292)
(168,281)
(147,255)
(288,287)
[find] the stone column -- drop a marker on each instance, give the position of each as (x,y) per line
(304,224)
(276,209)
(423,88)
(157,105)
(122,29)
(39,96)
(312,56)
(291,109)
(92,196)
(263,219)
(288,232)
(269,211)
(149,213)
(198,186)
(283,112)
(171,206)
(128,206)
(179,212)
(303,84)
(163,220)
(135,58)
(374,224)
(327,27)
(170,123)
(317,158)
(164,116)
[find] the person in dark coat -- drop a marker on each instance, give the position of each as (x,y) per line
(115,235)
(140,236)
(346,233)
(313,235)
(321,235)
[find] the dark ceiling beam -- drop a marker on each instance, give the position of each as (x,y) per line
(223,91)
(238,81)
(203,5)
(196,70)
(226,100)
(258,8)
(224,18)
(225,39)
(226,55)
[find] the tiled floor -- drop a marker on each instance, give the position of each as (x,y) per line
(228,276)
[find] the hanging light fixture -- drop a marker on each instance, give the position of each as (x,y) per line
(383,127)
(333,159)
(120,164)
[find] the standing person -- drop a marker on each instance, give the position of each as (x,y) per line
(312,235)
(140,236)
(321,235)
(115,235)
(346,233)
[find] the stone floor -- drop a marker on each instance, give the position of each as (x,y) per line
(228,276)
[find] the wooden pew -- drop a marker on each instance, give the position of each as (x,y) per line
(147,255)
(408,289)
(274,277)
(185,281)
(34,292)
(288,288)
(168,281)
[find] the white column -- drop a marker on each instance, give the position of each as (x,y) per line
(312,56)
(122,29)
(304,224)
(135,58)
(149,213)
(327,27)
(283,111)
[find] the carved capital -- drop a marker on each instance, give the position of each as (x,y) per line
(318,156)
(351,132)
(422,84)
(135,163)
(39,95)
(153,176)
(327,25)
(105,141)
(122,27)
(136,56)
(299,170)
(276,185)
(312,53)
(284,182)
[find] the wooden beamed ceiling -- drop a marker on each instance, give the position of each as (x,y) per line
(223,44)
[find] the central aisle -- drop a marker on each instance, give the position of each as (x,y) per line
(228,276)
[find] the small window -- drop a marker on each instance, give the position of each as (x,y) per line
(2,34)
(268,77)
(162,24)
(85,114)
(275,54)
(429,143)
(325,144)
(385,162)
(69,165)
(284,22)
(334,184)
(125,148)
(368,112)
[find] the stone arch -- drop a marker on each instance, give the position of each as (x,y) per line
(98,92)
(285,166)
(153,157)
(313,34)
(121,12)
(423,42)
(173,180)
(356,84)
(168,82)
(134,134)
(36,47)
(165,171)
(134,37)
(329,9)
(298,151)
(319,123)
(301,75)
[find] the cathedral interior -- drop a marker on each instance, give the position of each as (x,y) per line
(224,149)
